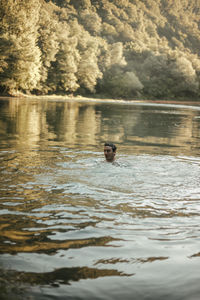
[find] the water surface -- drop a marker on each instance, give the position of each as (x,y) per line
(75,227)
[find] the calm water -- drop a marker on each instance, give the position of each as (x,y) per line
(75,227)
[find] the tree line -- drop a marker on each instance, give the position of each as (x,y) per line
(109,48)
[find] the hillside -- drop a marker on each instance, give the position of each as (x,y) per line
(120,48)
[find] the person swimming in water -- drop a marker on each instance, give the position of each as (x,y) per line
(110,152)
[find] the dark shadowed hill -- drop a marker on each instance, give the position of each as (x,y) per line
(120,48)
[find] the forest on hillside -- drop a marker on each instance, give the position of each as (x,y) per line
(113,48)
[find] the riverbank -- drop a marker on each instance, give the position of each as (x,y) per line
(100,98)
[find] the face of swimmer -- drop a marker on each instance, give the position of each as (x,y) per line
(109,152)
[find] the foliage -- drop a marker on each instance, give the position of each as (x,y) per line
(121,48)
(19,54)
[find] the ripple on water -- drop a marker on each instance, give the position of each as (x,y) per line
(91,216)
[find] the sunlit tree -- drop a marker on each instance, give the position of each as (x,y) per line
(91,21)
(128,47)
(121,84)
(62,75)
(184,77)
(88,68)
(48,41)
(20,64)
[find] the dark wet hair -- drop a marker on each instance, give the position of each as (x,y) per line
(114,148)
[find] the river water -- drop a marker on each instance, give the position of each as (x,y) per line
(76,227)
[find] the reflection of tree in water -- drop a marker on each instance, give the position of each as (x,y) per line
(34,124)
(117,121)
(10,281)
(153,122)
(74,123)
(13,284)
(130,260)
(168,128)
(23,241)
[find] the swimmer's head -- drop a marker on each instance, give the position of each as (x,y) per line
(110,151)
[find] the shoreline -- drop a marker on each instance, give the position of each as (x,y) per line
(79,98)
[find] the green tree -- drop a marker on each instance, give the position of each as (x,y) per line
(62,75)
(91,21)
(48,41)
(20,63)
(184,77)
(120,46)
(88,69)
(121,84)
